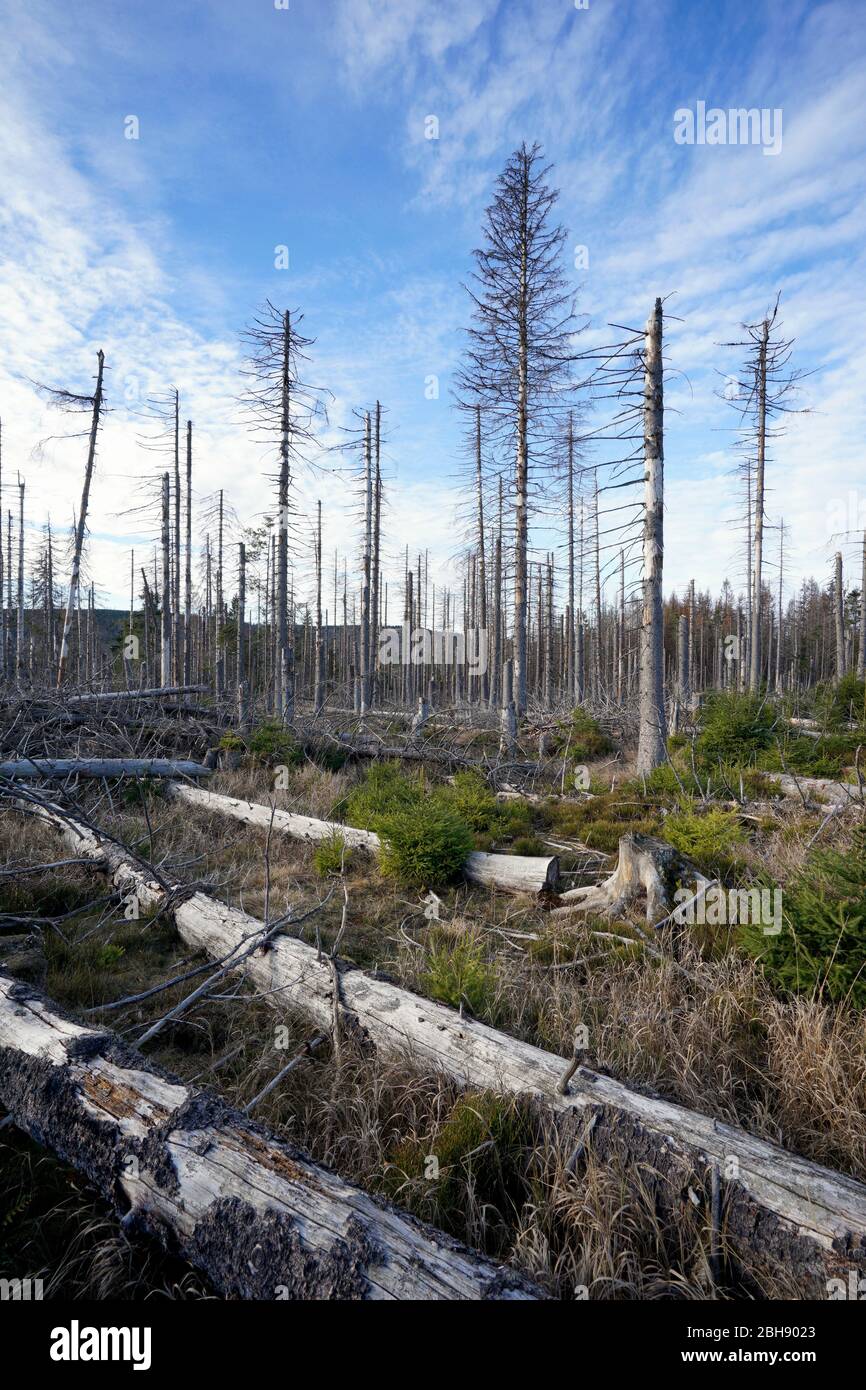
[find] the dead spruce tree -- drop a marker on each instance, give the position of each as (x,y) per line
(759,394)
(282,407)
(652,736)
(95,404)
(518,358)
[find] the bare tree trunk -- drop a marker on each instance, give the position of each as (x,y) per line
(365,586)
(74,579)
(508,717)
(19,630)
(284,677)
(177,668)
(861,655)
(652,738)
(241,673)
(2,590)
(187,599)
(377,550)
(319,674)
(165,646)
(839,615)
(482,567)
(571,674)
(684,671)
(521,479)
(755,647)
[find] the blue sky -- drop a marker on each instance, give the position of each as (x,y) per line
(305,127)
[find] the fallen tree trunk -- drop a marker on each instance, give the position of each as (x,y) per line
(102,767)
(158,692)
(837,793)
(260,1218)
(644,865)
(785,1213)
(513,873)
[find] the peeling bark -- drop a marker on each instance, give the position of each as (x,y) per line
(255,1214)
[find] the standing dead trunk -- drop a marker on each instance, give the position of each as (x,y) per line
(19,626)
(284,659)
(684,673)
(482,567)
(571,676)
(508,717)
(242,687)
(366,566)
(187,598)
(377,551)
(319,675)
(75,576)
(652,738)
(861,654)
(755,635)
(839,616)
(165,628)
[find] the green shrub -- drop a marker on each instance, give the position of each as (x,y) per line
(734,729)
(587,739)
(811,757)
(841,702)
(108,955)
(662,781)
(384,790)
(424,844)
(473,801)
(331,856)
(458,973)
(515,818)
(822,946)
(529,845)
(710,838)
(232,743)
(272,743)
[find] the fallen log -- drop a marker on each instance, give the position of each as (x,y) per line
(786,1213)
(644,865)
(837,793)
(159,692)
(513,873)
(102,767)
(258,1216)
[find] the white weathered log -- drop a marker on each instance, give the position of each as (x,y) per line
(785,1211)
(511,872)
(514,873)
(259,1217)
(102,767)
(158,692)
(805,1214)
(644,866)
(837,793)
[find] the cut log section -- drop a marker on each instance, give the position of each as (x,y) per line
(256,1215)
(102,767)
(644,866)
(513,873)
(786,1213)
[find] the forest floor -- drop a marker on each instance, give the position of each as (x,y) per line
(724,1035)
